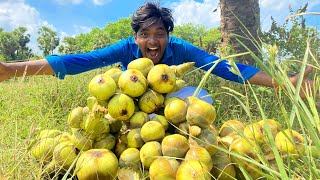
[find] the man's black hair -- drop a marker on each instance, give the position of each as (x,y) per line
(150,13)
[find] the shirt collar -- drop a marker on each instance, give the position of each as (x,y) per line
(167,53)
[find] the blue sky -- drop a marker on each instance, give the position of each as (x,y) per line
(71,17)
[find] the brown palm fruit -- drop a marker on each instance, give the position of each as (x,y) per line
(149,152)
(161,119)
(231,126)
(193,170)
(208,140)
(132,82)
(114,73)
(152,131)
(200,113)
(223,167)
(200,154)
(130,158)
(134,138)
(176,111)
(121,107)
(174,145)
(181,69)
(151,101)
(138,119)
(102,87)
(162,168)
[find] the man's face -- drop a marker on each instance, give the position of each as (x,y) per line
(152,41)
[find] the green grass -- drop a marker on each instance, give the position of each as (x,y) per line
(45,102)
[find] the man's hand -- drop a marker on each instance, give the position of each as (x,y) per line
(263,79)
(307,84)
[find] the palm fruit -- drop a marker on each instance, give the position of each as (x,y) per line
(231,126)
(273,125)
(49,133)
(174,145)
(201,113)
(102,87)
(244,147)
(130,158)
(75,117)
(175,111)
(43,150)
(208,140)
(128,174)
(190,99)
(161,119)
(97,164)
(255,132)
(149,152)
(92,102)
(121,144)
(121,107)
(194,131)
(193,170)
(134,138)
(114,73)
(63,137)
(290,142)
(107,141)
(181,69)
(151,101)
(180,83)
(152,131)
(138,119)
(183,129)
(169,99)
(95,123)
(200,154)
(65,154)
(161,78)
(223,168)
(142,64)
(132,82)
(81,142)
(227,140)
(162,168)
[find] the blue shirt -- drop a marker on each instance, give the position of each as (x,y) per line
(177,52)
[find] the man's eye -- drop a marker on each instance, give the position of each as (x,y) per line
(143,34)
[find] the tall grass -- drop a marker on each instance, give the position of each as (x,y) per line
(44,102)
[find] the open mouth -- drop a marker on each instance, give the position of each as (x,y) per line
(153,52)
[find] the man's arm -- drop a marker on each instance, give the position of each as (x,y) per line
(263,79)
(28,68)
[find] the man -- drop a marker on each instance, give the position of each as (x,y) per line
(152,26)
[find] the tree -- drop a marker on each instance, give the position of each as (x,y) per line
(23,39)
(8,45)
(291,37)
(240,18)
(47,40)
(119,30)
(207,39)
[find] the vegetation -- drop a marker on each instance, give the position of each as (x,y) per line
(28,103)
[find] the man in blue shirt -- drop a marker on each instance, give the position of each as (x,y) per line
(151,25)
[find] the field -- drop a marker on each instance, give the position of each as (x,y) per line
(28,103)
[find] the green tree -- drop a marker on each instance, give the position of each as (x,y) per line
(70,46)
(23,52)
(291,37)
(191,33)
(120,29)
(48,40)
(8,46)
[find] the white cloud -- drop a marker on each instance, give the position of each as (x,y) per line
(279,10)
(100,2)
(15,13)
(62,2)
(190,11)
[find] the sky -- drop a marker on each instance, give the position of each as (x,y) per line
(72,17)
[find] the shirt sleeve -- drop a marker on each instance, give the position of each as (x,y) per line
(77,63)
(205,61)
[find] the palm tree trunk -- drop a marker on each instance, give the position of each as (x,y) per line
(238,17)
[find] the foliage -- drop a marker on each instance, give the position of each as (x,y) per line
(207,39)
(13,45)
(48,40)
(291,37)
